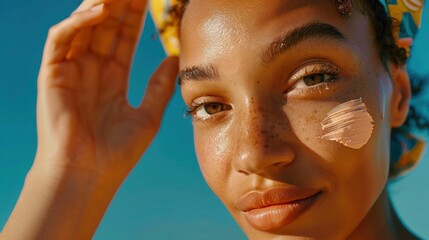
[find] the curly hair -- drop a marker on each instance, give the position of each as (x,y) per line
(384,28)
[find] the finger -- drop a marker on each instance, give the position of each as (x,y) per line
(58,76)
(80,43)
(130,32)
(87,4)
(160,89)
(61,35)
(105,35)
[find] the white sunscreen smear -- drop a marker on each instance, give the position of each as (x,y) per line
(349,124)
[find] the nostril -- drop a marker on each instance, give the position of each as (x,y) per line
(278,165)
(243,172)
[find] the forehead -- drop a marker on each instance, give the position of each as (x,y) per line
(255,9)
(213,30)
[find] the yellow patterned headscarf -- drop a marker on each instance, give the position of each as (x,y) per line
(159,10)
(409,15)
(406,150)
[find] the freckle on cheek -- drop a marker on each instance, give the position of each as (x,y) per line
(349,124)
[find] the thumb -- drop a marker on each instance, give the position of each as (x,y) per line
(160,89)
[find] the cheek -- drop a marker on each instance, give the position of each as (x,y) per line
(368,161)
(348,123)
(365,169)
(213,153)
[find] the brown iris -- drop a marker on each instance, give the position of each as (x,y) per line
(213,108)
(314,79)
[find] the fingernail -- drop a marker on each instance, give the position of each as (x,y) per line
(97,8)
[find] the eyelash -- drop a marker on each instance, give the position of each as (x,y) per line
(190,109)
(318,68)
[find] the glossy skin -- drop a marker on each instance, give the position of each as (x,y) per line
(262,131)
(263,135)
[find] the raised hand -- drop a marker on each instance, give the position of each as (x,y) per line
(83,113)
(89,137)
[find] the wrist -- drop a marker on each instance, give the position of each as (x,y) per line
(66,204)
(59,203)
(57,169)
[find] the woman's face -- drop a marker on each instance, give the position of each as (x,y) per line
(260,77)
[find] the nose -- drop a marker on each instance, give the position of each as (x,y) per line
(263,144)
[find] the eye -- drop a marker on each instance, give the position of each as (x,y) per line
(314,79)
(204,111)
(312,75)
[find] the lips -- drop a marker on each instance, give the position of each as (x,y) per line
(276,207)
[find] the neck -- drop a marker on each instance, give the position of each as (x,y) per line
(381,222)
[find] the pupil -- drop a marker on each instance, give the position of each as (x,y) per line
(314,79)
(213,108)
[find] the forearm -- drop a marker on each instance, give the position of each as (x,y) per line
(59,205)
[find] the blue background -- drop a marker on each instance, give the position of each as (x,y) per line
(165,197)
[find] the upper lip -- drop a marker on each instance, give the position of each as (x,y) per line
(274,196)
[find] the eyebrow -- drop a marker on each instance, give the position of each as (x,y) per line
(207,72)
(276,48)
(298,35)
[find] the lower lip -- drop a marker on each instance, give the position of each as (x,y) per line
(275,216)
